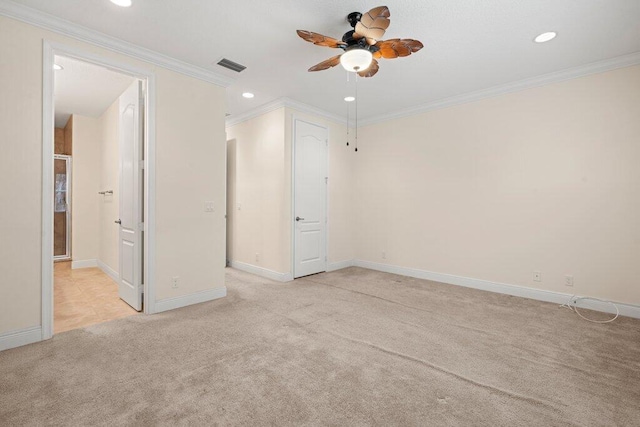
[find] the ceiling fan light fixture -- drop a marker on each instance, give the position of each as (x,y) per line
(356,60)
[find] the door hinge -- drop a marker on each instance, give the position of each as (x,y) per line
(141,164)
(326,179)
(141,226)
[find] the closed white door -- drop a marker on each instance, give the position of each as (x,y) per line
(131,226)
(310,198)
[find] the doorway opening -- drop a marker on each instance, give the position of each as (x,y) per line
(61,205)
(97,204)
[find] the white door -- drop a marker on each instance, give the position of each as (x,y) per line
(310,198)
(130,237)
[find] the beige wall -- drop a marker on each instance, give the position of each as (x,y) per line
(109,180)
(257,218)
(259,173)
(85,201)
(190,169)
(545,179)
(21,139)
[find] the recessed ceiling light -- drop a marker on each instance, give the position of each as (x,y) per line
(122,3)
(248,95)
(545,37)
(349,98)
(58,67)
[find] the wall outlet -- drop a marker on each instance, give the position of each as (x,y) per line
(257,257)
(239,206)
(174,282)
(537,276)
(208,207)
(568,280)
(384,255)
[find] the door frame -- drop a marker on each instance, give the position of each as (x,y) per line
(294,120)
(49,51)
(69,192)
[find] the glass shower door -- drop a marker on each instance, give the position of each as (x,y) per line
(61,207)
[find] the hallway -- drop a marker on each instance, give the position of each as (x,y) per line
(85,297)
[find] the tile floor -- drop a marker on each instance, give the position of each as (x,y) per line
(83,297)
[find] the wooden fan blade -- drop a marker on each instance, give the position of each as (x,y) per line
(371,71)
(326,64)
(319,39)
(397,48)
(373,24)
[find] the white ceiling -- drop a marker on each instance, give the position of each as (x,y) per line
(85,89)
(469,44)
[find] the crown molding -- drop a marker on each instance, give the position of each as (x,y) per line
(545,79)
(282,103)
(306,108)
(256,112)
(66,28)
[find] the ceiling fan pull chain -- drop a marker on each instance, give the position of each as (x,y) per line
(357,100)
(348,108)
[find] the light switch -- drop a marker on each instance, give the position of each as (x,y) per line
(208,207)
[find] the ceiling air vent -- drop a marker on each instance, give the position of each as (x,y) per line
(226,63)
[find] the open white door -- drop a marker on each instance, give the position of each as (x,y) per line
(131,224)
(310,194)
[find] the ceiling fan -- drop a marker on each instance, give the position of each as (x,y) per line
(362,45)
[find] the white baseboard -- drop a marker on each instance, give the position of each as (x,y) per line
(185,300)
(502,288)
(339,265)
(22,337)
(263,272)
(108,271)
(84,263)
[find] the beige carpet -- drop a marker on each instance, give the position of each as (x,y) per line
(353,347)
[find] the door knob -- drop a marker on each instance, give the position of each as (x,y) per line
(118,222)
(299,219)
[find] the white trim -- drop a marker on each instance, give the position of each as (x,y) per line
(262,272)
(545,79)
(186,300)
(252,114)
(149,237)
(501,288)
(292,171)
(46,264)
(108,271)
(49,22)
(84,263)
(339,265)
(19,338)
(282,103)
